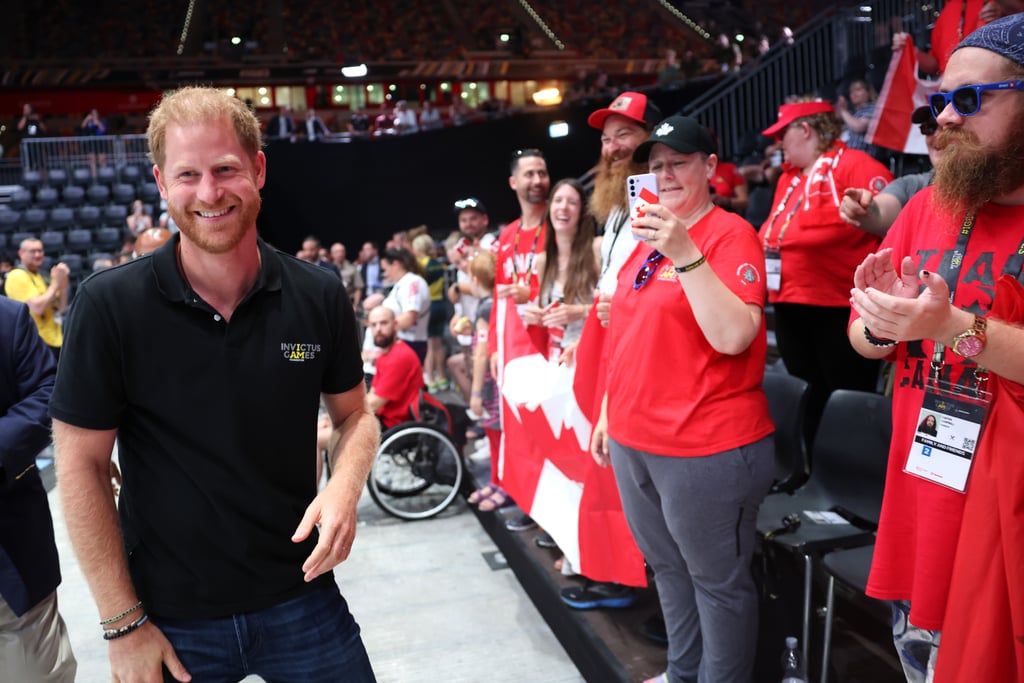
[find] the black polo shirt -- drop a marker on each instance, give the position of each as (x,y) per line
(216,422)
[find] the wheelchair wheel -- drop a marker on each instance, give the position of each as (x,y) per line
(416,473)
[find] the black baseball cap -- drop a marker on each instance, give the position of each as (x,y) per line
(684,134)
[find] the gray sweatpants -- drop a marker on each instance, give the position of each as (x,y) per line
(694,519)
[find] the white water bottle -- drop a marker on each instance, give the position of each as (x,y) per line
(792,663)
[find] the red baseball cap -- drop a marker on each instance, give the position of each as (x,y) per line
(788,113)
(633,105)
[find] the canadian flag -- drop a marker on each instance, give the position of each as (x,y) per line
(545,462)
(902,93)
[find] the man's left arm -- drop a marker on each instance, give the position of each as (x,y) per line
(353,446)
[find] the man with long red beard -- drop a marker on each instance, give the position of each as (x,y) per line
(207,362)
(942,298)
(624,124)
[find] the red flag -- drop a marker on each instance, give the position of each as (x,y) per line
(902,93)
(545,463)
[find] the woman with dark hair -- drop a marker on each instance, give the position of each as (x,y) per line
(928,426)
(568,268)
(409,297)
(811,253)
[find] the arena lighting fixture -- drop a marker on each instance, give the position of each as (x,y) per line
(547,97)
(558,129)
(354,71)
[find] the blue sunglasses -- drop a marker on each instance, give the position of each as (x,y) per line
(967,98)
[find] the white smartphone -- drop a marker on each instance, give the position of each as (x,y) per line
(641,190)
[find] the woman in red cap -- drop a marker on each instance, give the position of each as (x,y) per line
(810,253)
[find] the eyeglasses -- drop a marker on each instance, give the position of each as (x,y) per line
(468,203)
(967,98)
(647,269)
(929,127)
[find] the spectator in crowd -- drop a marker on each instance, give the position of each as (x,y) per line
(369,267)
(691,478)
(311,252)
(281,125)
(351,277)
(811,253)
(204,559)
(30,125)
(409,298)
(624,125)
(35,641)
(433,272)
(568,268)
(45,299)
(405,119)
(952,562)
(430,117)
(359,123)
(93,126)
(876,213)
(138,221)
(398,379)
(728,187)
(484,400)
(516,250)
(314,128)
(856,113)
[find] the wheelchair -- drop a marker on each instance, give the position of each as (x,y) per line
(419,469)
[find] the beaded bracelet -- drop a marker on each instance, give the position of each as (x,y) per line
(115,633)
(122,615)
(696,264)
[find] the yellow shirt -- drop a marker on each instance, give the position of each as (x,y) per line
(21,285)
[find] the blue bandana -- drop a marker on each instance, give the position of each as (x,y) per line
(1004,37)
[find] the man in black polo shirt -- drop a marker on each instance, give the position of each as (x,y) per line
(206,362)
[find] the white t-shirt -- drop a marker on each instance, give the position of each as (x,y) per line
(411,293)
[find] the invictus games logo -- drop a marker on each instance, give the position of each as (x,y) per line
(299,353)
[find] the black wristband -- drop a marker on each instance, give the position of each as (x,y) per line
(878,341)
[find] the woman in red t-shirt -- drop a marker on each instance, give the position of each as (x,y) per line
(684,421)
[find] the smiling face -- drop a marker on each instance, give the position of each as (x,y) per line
(566,207)
(682,178)
(211,184)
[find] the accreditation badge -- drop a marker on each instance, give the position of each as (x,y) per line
(946,437)
(773,268)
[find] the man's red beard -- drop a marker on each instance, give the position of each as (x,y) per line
(969,174)
(610,186)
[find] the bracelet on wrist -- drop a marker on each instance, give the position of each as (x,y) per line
(115,633)
(693,266)
(879,342)
(122,615)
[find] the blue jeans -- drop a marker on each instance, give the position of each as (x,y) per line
(312,638)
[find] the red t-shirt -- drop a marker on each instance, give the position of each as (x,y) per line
(516,252)
(669,392)
(920,522)
(399,380)
(820,251)
(726,180)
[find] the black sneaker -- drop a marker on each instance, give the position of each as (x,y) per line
(594,595)
(544,540)
(521,523)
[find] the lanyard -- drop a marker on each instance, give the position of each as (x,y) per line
(533,249)
(952,276)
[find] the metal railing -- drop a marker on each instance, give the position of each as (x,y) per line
(836,46)
(92,152)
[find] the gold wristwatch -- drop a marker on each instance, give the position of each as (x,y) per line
(971,341)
